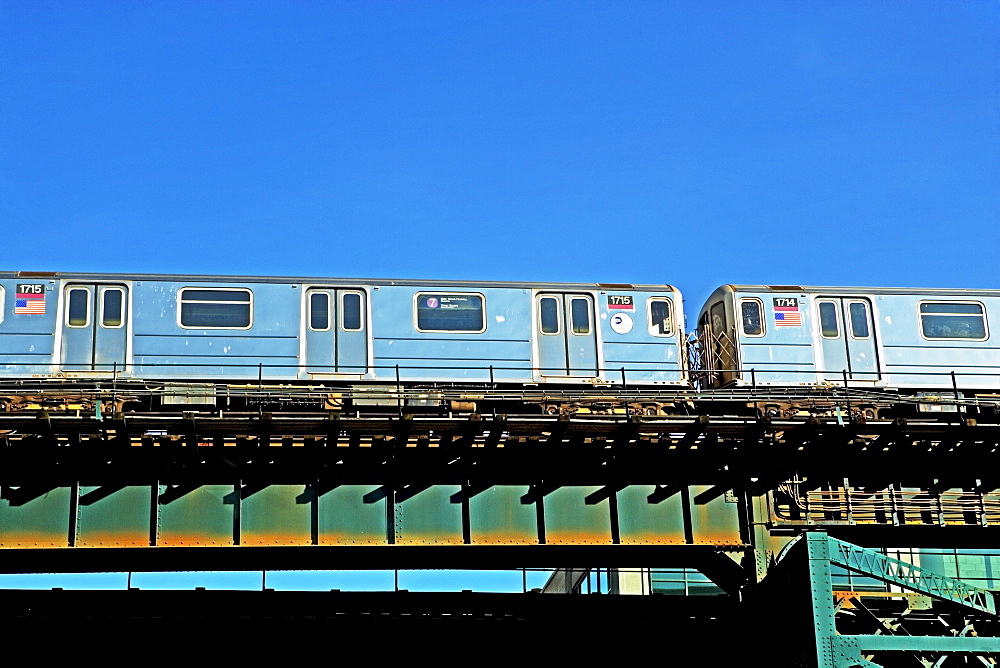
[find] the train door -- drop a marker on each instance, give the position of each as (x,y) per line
(718,364)
(336,331)
(567,335)
(847,335)
(95,327)
(724,344)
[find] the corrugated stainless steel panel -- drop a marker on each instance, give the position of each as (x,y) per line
(336,282)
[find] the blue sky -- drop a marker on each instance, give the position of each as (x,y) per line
(686,143)
(691,143)
(411,580)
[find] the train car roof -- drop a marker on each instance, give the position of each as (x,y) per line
(209,278)
(855,290)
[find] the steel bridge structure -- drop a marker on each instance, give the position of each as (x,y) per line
(780,513)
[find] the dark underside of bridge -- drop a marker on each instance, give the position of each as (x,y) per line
(742,458)
(402,625)
(470,612)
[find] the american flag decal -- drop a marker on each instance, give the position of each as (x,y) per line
(29,299)
(786,313)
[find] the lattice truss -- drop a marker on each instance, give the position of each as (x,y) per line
(920,619)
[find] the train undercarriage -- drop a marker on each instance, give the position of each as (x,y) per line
(82,396)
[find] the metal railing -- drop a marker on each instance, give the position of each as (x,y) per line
(850,505)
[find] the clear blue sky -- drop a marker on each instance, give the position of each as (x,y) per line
(692,143)
(659,142)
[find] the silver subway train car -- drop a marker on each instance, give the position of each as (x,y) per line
(575,346)
(922,341)
(355,333)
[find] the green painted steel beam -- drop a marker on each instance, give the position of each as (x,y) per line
(906,575)
(821,596)
(845,651)
(936,644)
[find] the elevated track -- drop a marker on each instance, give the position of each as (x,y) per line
(270,478)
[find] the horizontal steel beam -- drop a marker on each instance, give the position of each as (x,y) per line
(917,644)
(362,557)
(501,449)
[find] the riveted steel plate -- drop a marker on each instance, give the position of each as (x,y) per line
(276,515)
(714,519)
(32,517)
(202,515)
(431,516)
(503,515)
(574,516)
(112,516)
(352,515)
(645,518)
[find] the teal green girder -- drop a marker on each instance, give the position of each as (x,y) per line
(846,651)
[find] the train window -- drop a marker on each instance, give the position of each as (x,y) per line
(660,319)
(319,311)
(859,320)
(78,309)
(450,313)
(350,312)
(828,321)
(215,308)
(953,320)
(1,303)
(752,317)
(112,307)
(580,313)
(549,315)
(718,312)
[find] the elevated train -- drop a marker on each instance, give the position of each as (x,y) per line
(574,346)
(924,344)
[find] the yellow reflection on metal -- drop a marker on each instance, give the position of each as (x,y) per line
(645,518)
(574,516)
(500,515)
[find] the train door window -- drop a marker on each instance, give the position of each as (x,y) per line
(718,312)
(829,321)
(78,309)
(953,320)
(548,311)
(450,313)
(860,328)
(580,314)
(752,317)
(350,312)
(112,307)
(724,343)
(1,303)
(319,311)
(660,317)
(218,308)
